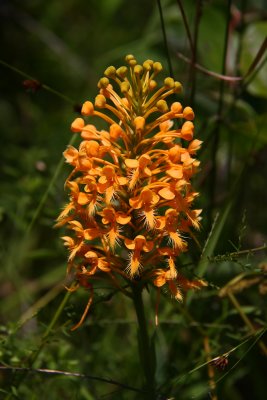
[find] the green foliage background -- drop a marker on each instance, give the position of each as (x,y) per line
(66,46)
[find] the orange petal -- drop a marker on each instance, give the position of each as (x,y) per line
(71,154)
(130,244)
(135,202)
(122,180)
(83,199)
(122,219)
(89,132)
(160,281)
(166,125)
(175,172)
(160,223)
(131,163)
(194,146)
(104,266)
(91,254)
(166,193)
(92,148)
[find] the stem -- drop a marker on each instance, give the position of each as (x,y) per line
(144,343)
(192,71)
(211,372)
(217,127)
(165,38)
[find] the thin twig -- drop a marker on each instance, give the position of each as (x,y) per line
(192,73)
(165,38)
(44,86)
(257,58)
(186,25)
(208,72)
(234,254)
(71,374)
(217,127)
(211,372)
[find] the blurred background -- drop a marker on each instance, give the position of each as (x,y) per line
(65,47)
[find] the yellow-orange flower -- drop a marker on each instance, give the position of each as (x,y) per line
(131,195)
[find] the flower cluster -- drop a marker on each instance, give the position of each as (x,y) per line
(130,207)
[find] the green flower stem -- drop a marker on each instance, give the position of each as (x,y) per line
(145,346)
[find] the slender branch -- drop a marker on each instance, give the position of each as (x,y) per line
(257,59)
(44,86)
(165,38)
(235,254)
(71,374)
(192,73)
(216,140)
(211,372)
(209,72)
(186,25)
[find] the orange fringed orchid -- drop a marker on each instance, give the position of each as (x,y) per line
(130,207)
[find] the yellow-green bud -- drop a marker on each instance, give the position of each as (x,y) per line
(110,71)
(125,86)
(132,62)
(103,83)
(169,83)
(162,106)
(138,69)
(178,87)
(157,67)
(152,85)
(129,57)
(122,72)
(148,65)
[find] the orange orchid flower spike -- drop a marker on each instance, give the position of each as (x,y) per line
(131,198)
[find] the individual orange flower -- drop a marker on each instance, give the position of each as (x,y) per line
(140,169)
(146,202)
(109,183)
(114,219)
(138,244)
(169,224)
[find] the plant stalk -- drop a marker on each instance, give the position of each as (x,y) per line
(146,353)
